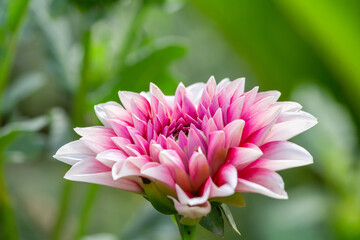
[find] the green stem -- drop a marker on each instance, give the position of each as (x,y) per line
(79,109)
(187,232)
(8,40)
(133,28)
(78,118)
(62,210)
(86,210)
(7,216)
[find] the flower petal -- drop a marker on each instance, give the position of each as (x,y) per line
(110,157)
(263,181)
(74,152)
(193,212)
(281,155)
(93,171)
(233,133)
(289,125)
(225,182)
(199,169)
(241,157)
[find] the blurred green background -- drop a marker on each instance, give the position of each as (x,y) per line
(60,57)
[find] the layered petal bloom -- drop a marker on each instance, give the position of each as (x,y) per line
(208,142)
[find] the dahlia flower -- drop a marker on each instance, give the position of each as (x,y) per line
(208,143)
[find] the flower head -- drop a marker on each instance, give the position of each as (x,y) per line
(209,142)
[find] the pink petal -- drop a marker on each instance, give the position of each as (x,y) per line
(120,128)
(110,157)
(216,150)
(225,182)
(194,92)
(192,201)
(249,99)
(218,119)
(158,172)
(281,155)
(98,143)
(289,125)
(94,131)
(172,159)
(193,212)
(263,181)
(141,102)
(74,152)
(131,167)
(274,94)
(194,142)
(235,109)
(233,133)
(116,111)
(93,171)
(199,169)
(155,150)
(288,106)
(237,86)
(241,157)
(260,119)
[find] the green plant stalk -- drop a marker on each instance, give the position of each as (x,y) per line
(17,11)
(86,210)
(187,232)
(133,28)
(7,216)
(78,119)
(65,199)
(8,40)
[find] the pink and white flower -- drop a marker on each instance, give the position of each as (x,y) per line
(209,142)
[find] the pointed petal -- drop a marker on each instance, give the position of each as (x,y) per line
(194,92)
(263,181)
(185,199)
(289,125)
(193,212)
(93,171)
(216,150)
(225,182)
(110,157)
(158,172)
(74,152)
(199,169)
(241,157)
(233,133)
(281,155)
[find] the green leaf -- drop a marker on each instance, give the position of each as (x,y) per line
(236,199)
(229,218)
(158,199)
(21,89)
(64,57)
(10,131)
(332,28)
(148,64)
(214,221)
(10,22)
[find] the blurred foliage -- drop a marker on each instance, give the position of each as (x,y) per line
(58,59)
